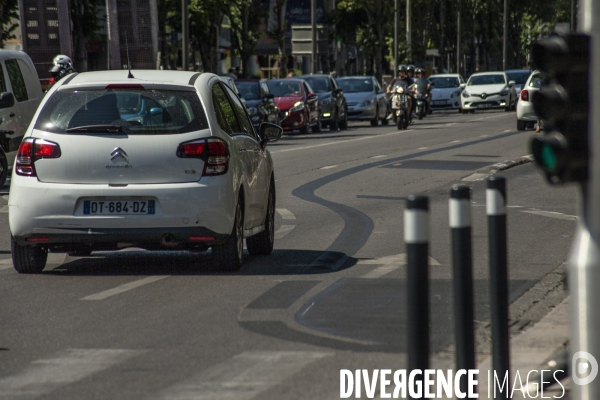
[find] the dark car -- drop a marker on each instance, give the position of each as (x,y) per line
(298,104)
(259,101)
(520,76)
(332,102)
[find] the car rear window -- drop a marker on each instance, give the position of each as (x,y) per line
(249,90)
(134,111)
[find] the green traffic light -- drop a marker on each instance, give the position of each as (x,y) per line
(548,158)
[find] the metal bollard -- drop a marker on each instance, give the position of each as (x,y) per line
(496,212)
(416,237)
(460,226)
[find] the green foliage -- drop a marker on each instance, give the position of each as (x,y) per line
(8,12)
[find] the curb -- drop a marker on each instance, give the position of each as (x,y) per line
(512,163)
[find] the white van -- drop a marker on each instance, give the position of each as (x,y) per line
(20,96)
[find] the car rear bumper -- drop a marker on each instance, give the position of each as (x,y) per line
(57,210)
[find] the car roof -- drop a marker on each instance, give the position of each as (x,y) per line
(357,77)
(315,76)
(141,76)
(489,73)
(518,70)
(444,76)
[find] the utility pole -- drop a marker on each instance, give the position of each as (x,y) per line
(584,265)
(458,41)
(313,21)
(184,35)
(408,31)
(396,18)
(442,28)
(505,35)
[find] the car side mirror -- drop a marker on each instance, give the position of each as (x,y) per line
(7,100)
(337,91)
(463,85)
(511,83)
(311,96)
(156,111)
(269,96)
(269,133)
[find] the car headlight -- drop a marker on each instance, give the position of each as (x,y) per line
(466,94)
(455,94)
(504,92)
(298,106)
(252,110)
(366,103)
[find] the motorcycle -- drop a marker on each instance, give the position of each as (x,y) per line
(422,97)
(399,104)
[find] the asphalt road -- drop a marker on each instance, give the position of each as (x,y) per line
(151,325)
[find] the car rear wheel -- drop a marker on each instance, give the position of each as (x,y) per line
(375,121)
(262,243)
(228,256)
(3,168)
(28,259)
(304,129)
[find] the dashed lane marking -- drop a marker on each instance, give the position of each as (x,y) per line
(285,213)
(70,366)
(551,214)
(283,230)
(328,167)
(243,376)
(124,288)
(390,264)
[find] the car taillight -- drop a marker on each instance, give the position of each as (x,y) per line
(31,150)
(212,151)
(525,95)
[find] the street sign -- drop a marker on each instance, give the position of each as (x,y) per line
(302,40)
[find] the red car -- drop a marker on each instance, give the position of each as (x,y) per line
(297,103)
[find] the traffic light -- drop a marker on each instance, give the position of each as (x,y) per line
(562,103)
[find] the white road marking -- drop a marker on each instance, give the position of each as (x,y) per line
(475,177)
(551,214)
(244,376)
(455,141)
(5,197)
(124,288)
(73,365)
(338,142)
(379,156)
(390,264)
(328,167)
(483,135)
(422,148)
(451,123)
(285,213)
(4,210)
(283,230)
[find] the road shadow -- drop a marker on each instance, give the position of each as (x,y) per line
(143,263)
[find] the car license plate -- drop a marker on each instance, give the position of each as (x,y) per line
(439,102)
(118,207)
(484,105)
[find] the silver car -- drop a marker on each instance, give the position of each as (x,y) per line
(365,98)
(525,113)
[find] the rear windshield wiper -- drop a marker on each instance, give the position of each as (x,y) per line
(97,128)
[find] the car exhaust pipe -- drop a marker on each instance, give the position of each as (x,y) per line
(168,240)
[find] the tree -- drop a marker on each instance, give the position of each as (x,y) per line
(205,27)
(277,32)
(8,12)
(86,23)
(245,17)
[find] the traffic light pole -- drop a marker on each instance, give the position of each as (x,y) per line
(584,265)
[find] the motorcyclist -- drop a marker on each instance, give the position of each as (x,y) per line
(62,65)
(420,74)
(406,81)
(410,70)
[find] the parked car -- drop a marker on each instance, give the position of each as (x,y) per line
(298,104)
(446,91)
(520,76)
(20,96)
(260,102)
(193,176)
(366,99)
(525,113)
(332,101)
(487,90)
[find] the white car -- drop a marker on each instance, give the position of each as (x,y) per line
(167,160)
(525,113)
(446,91)
(487,90)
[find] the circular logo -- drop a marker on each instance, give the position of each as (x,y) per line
(584,364)
(483,95)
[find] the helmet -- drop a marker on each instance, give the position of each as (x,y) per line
(63,60)
(418,70)
(402,67)
(411,67)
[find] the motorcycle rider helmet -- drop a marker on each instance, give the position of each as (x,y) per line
(63,60)
(411,68)
(402,67)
